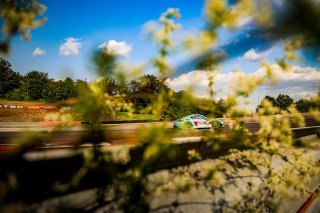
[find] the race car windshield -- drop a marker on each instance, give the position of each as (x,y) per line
(198,117)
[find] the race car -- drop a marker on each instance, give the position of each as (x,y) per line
(197,121)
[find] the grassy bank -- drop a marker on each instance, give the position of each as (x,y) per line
(36,115)
(24,114)
(27,103)
(124,116)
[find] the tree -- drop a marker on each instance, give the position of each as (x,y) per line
(110,86)
(133,86)
(148,84)
(59,90)
(283,101)
(15,95)
(144,89)
(69,90)
(80,86)
(221,107)
(49,92)
(270,99)
(35,84)
(9,80)
(303,105)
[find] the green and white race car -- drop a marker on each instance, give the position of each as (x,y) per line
(197,121)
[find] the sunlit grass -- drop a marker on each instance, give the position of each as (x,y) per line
(26,103)
(22,115)
(36,115)
(127,116)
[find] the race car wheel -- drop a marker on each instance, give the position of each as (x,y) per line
(215,124)
(187,125)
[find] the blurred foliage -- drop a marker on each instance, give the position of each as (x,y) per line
(162,36)
(19,17)
(104,63)
(127,184)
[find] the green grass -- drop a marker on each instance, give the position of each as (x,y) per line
(125,116)
(36,115)
(26,103)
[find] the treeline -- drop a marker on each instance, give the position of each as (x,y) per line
(142,92)
(284,101)
(35,86)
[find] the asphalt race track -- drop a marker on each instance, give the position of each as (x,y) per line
(118,133)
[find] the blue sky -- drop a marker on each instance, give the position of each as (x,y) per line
(93,23)
(63,46)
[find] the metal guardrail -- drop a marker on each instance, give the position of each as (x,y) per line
(121,121)
(305,131)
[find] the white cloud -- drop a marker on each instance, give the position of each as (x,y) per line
(244,21)
(252,55)
(298,74)
(300,83)
(116,48)
(38,52)
(299,95)
(70,47)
